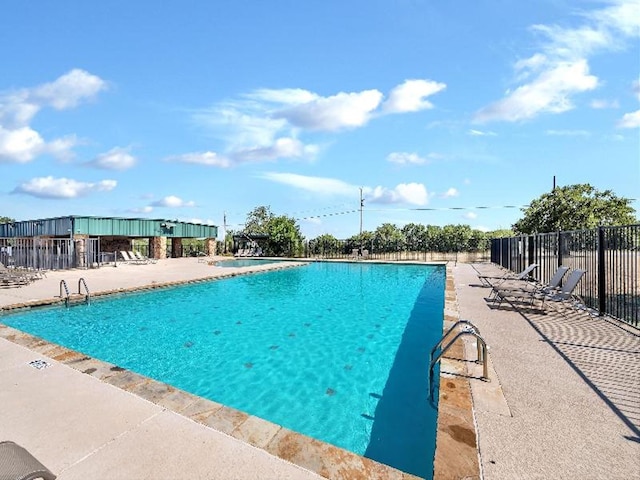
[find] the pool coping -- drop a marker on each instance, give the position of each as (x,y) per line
(456,453)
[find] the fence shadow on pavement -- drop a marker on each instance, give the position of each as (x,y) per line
(605,354)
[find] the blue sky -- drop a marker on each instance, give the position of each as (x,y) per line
(187,110)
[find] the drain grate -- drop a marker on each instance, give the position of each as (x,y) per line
(39,364)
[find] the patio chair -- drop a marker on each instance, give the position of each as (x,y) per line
(16,463)
(17,274)
(558,295)
(141,258)
(527,291)
(493,281)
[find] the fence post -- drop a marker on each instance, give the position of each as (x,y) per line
(602,278)
(530,250)
(560,248)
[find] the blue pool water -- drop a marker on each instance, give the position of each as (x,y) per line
(336,351)
(245,262)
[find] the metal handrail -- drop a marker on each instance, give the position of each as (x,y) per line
(482,354)
(66,289)
(459,322)
(82,281)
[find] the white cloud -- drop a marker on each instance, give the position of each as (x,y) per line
(568,133)
(600,104)
(340,111)
(404,158)
(411,96)
(68,90)
(630,120)
(561,70)
(172,202)
(147,209)
(20,143)
(470,215)
(286,96)
(411,193)
(481,133)
(636,89)
(269,124)
(550,92)
(450,193)
(322,185)
(202,158)
(115,159)
(281,148)
(50,187)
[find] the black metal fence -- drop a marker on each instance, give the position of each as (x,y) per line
(610,255)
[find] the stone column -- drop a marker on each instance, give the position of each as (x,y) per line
(158,247)
(210,246)
(80,247)
(176,247)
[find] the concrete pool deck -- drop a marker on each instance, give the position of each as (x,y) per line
(564,400)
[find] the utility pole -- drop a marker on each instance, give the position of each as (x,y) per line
(361,205)
(224,230)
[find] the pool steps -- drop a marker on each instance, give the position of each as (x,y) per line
(68,298)
(467,328)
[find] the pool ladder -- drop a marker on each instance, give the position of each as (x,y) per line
(468,328)
(81,282)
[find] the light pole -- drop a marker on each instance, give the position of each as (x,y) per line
(361,205)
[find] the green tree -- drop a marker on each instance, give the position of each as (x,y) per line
(456,238)
(414,235)
(500,233)
(258,220)
(285,238)
(325,245)
(433,239)
(575,207)
(388,238)
(6,220)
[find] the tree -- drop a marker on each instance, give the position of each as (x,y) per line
(325,245)
(575,207)
(414,235)
(6,220)
(258,220)
(388,238)
(285,238)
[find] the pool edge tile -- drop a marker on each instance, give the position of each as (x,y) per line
(456,454)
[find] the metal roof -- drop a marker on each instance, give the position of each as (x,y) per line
(106,227)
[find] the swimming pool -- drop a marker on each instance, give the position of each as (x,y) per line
(337,351)
(246,262)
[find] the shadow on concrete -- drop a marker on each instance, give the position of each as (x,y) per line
(604,355)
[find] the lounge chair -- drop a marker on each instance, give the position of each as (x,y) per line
(141,258)
(17,274)
(493,281)
(529,291)
(130,258)
(558,295)
(16,463)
